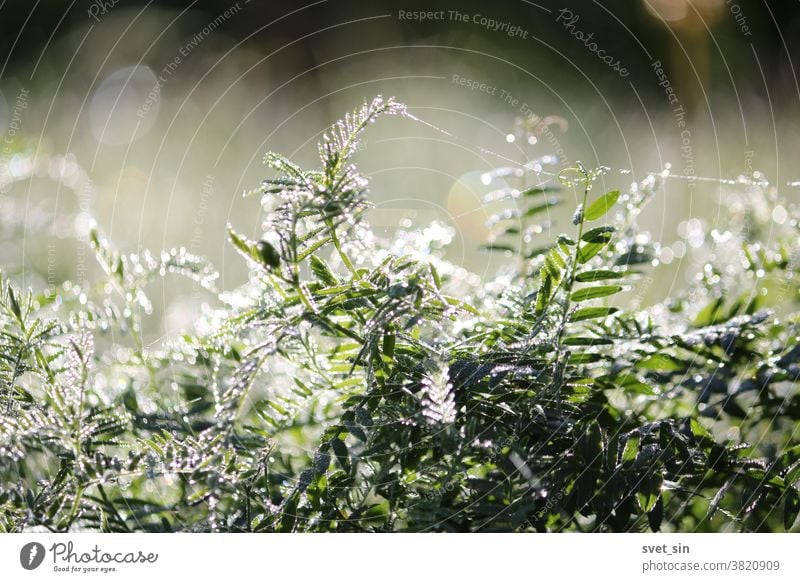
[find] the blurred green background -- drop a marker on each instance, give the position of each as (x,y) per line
(152,117)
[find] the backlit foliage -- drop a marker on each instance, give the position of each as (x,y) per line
(360,384)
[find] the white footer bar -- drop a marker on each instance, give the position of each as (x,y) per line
(413,557)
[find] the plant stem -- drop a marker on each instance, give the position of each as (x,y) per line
(569,280)
(76,505)
(342,255)
(574,257)
(301,292)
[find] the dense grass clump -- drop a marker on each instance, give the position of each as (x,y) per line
(358,384)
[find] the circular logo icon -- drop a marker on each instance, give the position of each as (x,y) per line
(31,555)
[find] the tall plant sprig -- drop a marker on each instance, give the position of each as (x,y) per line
(584,247)
(308,210)
(24,339)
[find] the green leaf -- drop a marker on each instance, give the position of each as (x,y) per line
(565,241)
(602,205)
(592,313)
(662,363)
(792,474)
(656,515)
(269,256)
(595,292)
(550,274)
(538,251)
(281,163)
(711,314)
(302,387)
(639,388)
(584,358)
(244,246)
(389,340)
(649,492)
(601,234)
(545,289)
(154,446)
(698,430)
(587,341)
(14,304)
(631,450)
(551,269)
(598,275)
(341,452)
(497,247)
(437,279)
(313,248)
(791,507)
(534,210)
(322,271)
(556,260)
(589,250)
(536,190)
(289,513)
(461,305)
